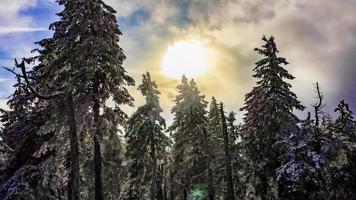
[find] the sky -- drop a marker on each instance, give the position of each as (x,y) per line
(317,37)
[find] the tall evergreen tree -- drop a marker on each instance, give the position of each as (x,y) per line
(113,173)
(269,114)
(188,150)
(228,171)
(31,128)
(84,57)
(237,157)
(146,144)
(215,151)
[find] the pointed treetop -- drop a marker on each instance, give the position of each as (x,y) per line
(232,116)
(213,101)
(148,87)
(344,110)
(213,105)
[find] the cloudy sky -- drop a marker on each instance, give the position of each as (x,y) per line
(317,37)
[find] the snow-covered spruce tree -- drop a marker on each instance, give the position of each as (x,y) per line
(345,124)
(216,148)
(237,158)
(189,163)
(84,57)
(339,171)
(230,194)
(20,106)
(146,145)
(112,154)
(269,115)
(32,132)
(298,174)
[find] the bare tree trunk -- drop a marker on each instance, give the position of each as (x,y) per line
(97,149)
(318,105)
(318,110)
(74,190)
(154,169)
(230,186)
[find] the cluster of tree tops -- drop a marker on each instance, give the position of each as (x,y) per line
(60,140)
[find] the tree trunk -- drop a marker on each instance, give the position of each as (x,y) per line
(185,195)
(97,149)
(165,196)
(73,190)
(171,179)
(264,187)
(210,171)
(154,169)
(230,186)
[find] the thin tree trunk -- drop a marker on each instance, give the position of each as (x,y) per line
(154,169)
(165,196)
(264,187)
(97,149)
(210,171)
(73,190)
(171,179)
(230,187)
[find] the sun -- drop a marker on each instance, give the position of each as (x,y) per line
(191,58)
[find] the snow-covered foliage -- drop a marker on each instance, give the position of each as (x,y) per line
(269,116)
(60,139)
(146,146)
(189,163)
(297,176)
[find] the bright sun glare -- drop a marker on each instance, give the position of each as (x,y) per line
(191,58)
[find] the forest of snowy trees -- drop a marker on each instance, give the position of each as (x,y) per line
(61,140)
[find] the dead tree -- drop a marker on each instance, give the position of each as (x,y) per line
(318,105)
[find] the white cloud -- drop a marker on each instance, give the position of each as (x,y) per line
(310,34)
(10,9)
(11,20)
(16,29)
(127,7)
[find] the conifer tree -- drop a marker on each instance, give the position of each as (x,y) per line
(188,150)
(29,131)
(20,106)
(341,142)
(84,58)
(269,114)
(237,158)
(146,144)
(112,155)
(215,150)
(298,174)
(230,186)
(345,123)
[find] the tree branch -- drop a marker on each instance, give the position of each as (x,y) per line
(24,76)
